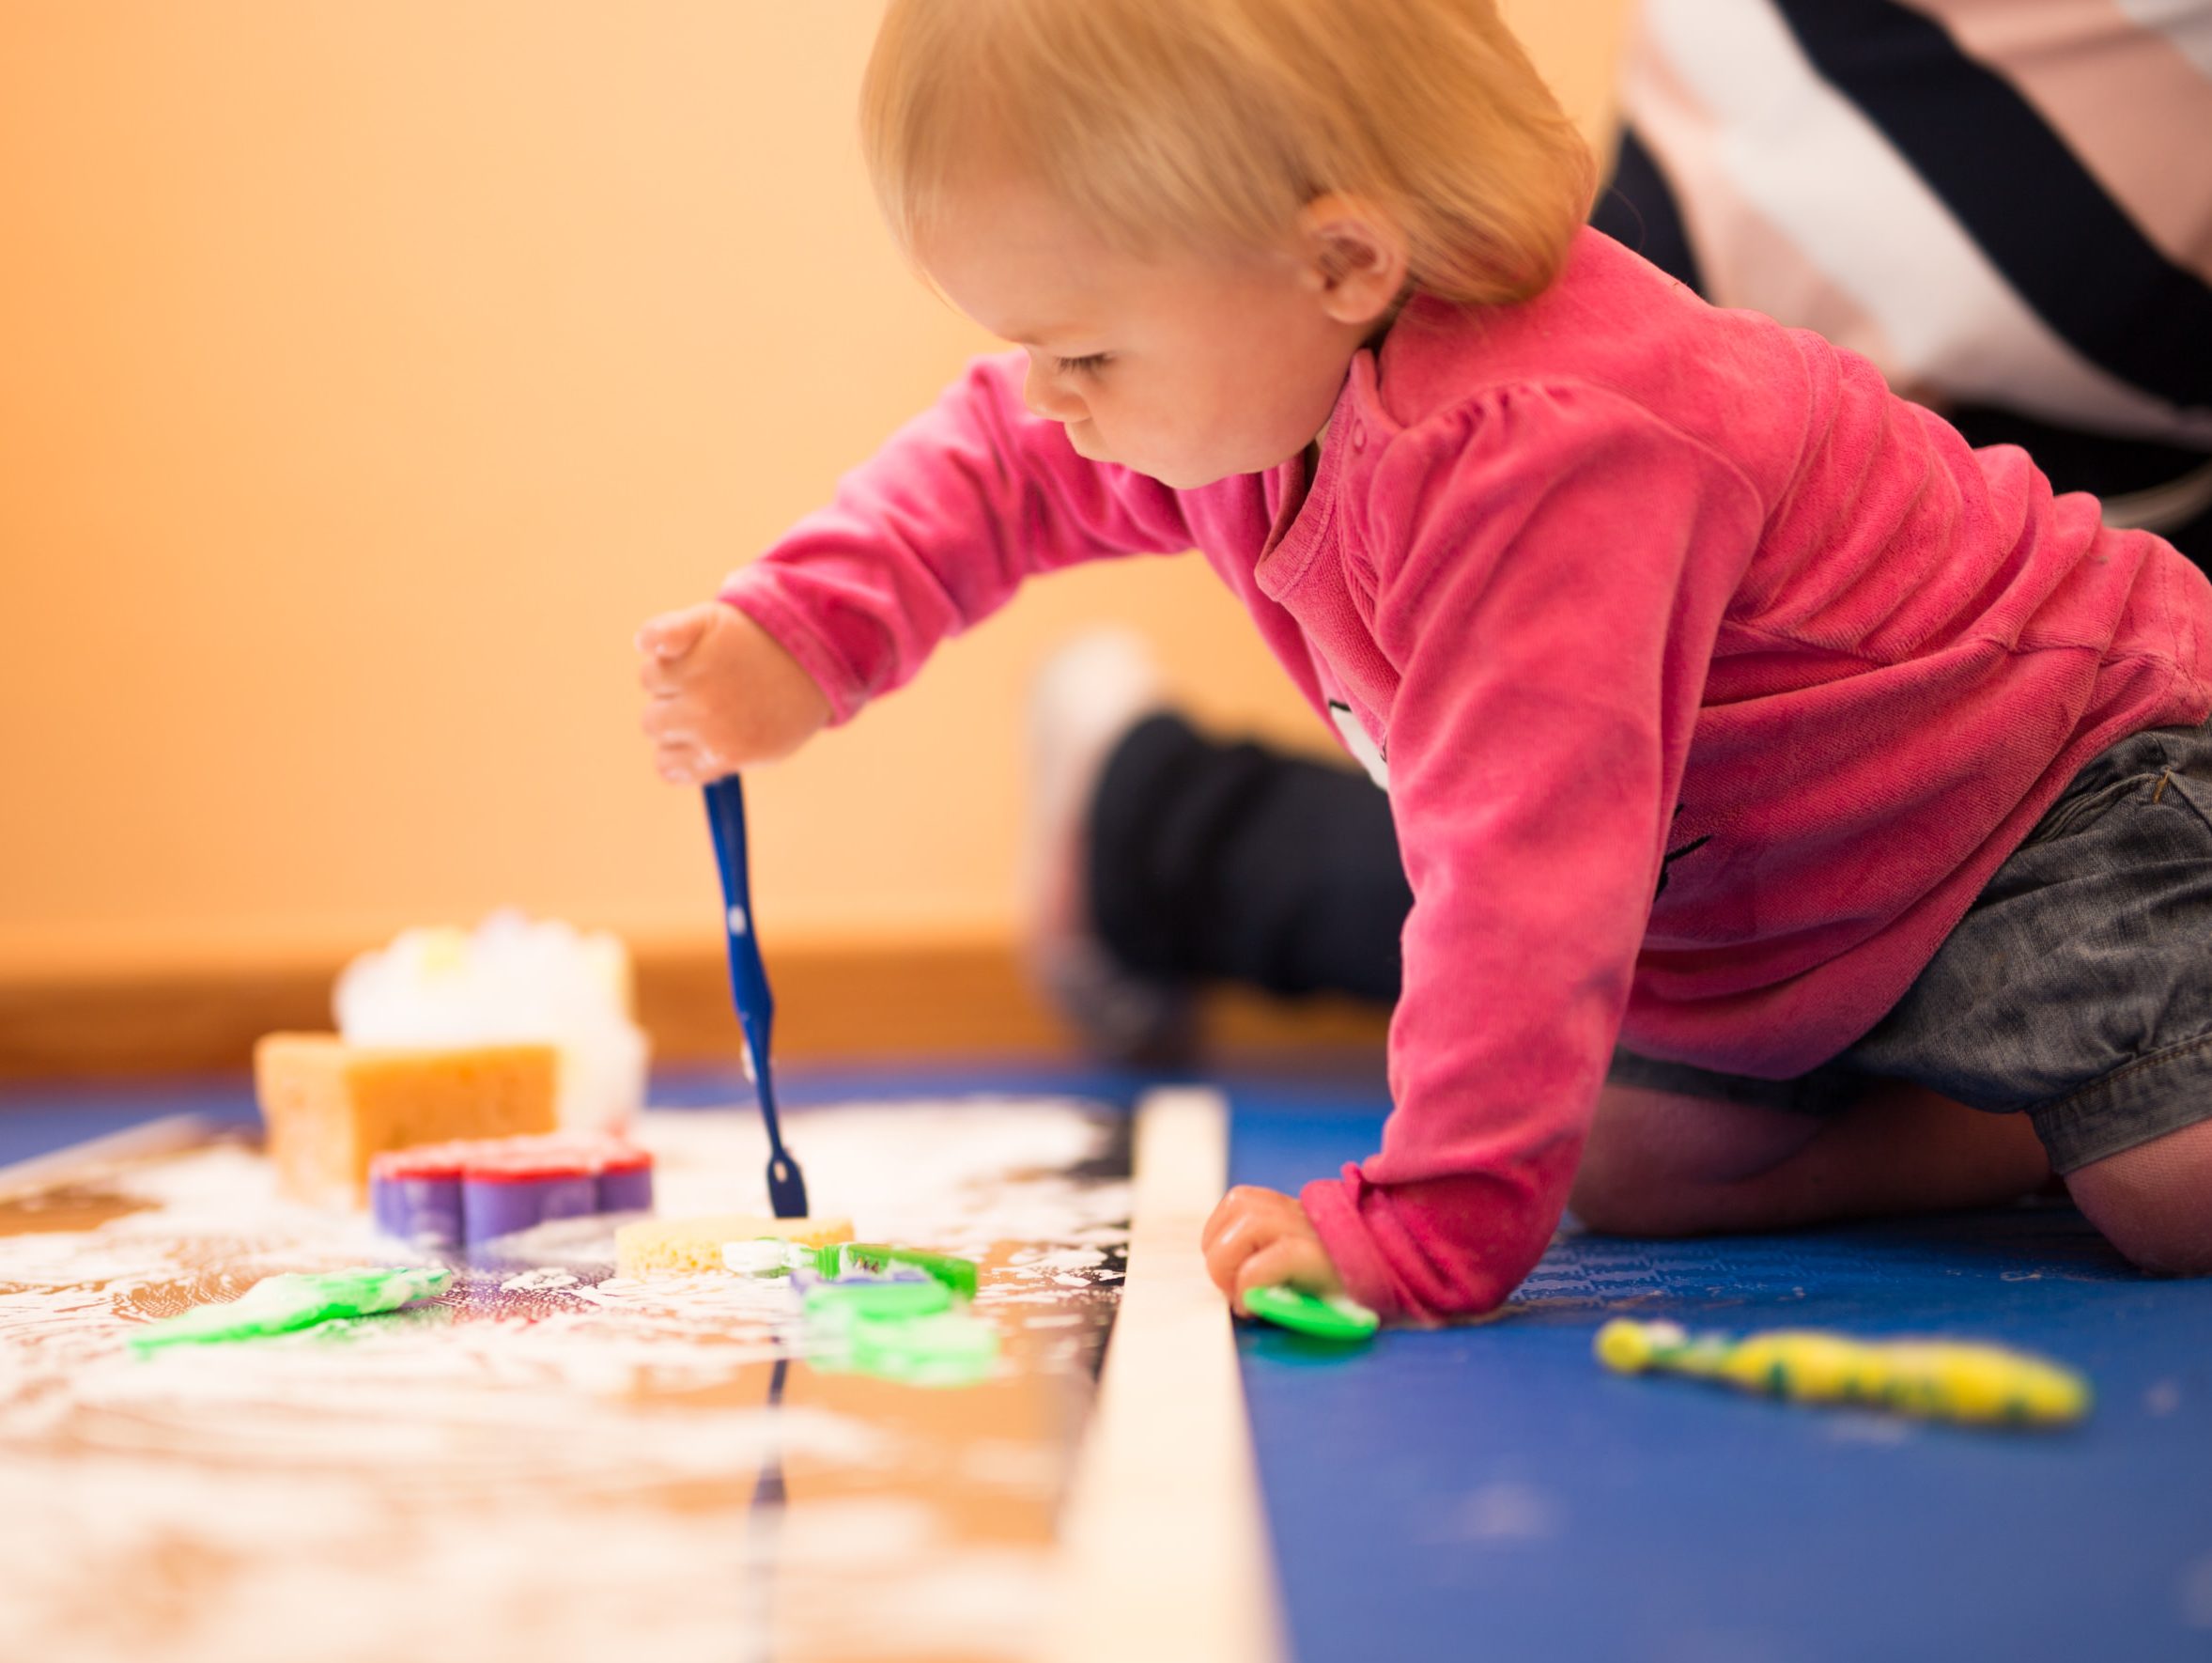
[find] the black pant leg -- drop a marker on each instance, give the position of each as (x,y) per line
(2194,540)
(1229,861)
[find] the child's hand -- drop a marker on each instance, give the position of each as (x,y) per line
(723,694)
(1260,1237)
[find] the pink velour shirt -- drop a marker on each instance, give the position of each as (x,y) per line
(1709,679)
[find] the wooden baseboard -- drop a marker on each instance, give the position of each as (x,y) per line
(847,998)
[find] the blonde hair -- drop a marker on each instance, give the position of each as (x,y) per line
(1211,123)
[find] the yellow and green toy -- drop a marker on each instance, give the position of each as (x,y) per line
(1933,1379)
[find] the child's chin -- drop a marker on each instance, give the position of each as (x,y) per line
(1091,451)
(1177,478)
(1194,481)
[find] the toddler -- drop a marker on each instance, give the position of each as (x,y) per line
(1782,784)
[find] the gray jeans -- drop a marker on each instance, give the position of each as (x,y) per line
(2077,988)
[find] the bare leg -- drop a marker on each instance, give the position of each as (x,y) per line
(2153,1201)
(1660,1164)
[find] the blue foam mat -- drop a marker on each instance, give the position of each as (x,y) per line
(38,1117)
(1491,1492)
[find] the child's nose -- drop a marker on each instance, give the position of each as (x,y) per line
(1047,398)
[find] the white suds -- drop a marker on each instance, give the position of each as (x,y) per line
(550,1461)
(532,1279)
(753,1258)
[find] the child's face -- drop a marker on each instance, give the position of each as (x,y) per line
(1188,368)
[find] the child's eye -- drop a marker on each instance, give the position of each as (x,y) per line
(1090,365)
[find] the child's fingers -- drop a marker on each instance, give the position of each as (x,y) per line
(1245,1233)
(1296,1260)
(668,720)
(1240,1203)
(670,636)
(1225,1213)
(679,752)
(682,763)
(661,677)
(1223,1261)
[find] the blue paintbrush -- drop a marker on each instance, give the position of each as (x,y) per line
(748,985)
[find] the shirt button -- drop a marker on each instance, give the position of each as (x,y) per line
(1359,436)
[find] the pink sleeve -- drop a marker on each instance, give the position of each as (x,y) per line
(935,532)
(1540,592)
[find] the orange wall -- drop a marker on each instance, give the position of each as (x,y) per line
(368,372)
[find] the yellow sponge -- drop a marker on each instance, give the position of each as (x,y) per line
(670,1246)
(328,1106)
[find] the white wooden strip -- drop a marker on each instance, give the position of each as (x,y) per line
(1164,1553)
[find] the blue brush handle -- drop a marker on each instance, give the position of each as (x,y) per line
(749,983)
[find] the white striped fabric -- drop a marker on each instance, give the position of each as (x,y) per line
(1798,205)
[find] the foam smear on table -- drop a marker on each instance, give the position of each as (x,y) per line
(535,1464)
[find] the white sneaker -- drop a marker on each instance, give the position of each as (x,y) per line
(1082,703)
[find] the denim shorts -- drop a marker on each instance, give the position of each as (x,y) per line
(2076,989)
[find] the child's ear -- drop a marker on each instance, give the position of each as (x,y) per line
(1353,256)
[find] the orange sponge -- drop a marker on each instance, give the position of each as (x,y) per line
(330,1106)
(675,1246)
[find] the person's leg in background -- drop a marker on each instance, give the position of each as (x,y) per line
(1212,862)
(1158,860)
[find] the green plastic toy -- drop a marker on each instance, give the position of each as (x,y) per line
(878,1301)
(955,1273)
(950,1348)
(914,1330)
(283,1304)
(1333,1318)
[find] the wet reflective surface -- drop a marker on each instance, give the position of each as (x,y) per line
(550,1462)
(65,1207)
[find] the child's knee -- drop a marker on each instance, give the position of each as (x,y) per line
(2153,1201)
(1660,1164)
(1611,1200)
